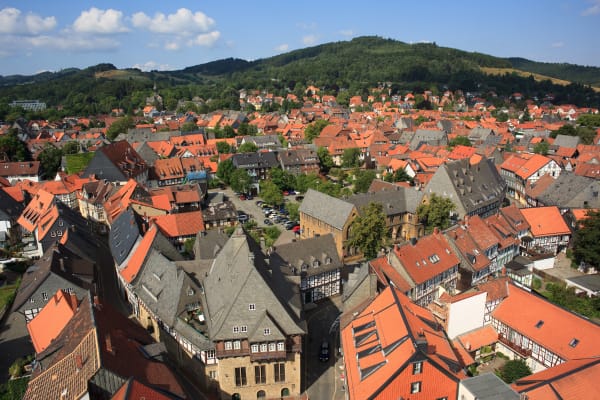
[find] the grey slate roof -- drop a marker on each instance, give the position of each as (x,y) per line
(290,257)
(10,209)
(399,200)
(432,137)
(209,243)
(255,160)
(326,208)
(124,233)
(489,387)
(238,278)
(566,141)
(572,191)
(591,282)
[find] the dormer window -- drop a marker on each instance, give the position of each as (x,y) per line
(251,307)
(539,324)
(574,342)
(267,331)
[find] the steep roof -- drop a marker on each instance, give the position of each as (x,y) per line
(399,200)
(55,315)
(181,224)
(336,213)
(545,221)
(238,278)
(562,332)
(309,256)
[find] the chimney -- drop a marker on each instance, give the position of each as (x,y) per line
(61,261)
(79,362)
(109,346)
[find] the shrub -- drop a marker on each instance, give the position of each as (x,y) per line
(514,370)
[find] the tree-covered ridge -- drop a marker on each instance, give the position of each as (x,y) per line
(570,72)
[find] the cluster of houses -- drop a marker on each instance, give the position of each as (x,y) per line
(230,312)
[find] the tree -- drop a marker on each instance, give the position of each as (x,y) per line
(228,131)
(270,193)
(225,170)
(189,126)
(50,159)
(283,179)
(400,175)
(305,182)
(248,147)
(460,140)
(240,181)
(368,230)
(591,120)
(223,148)
(350,157)
(314,130)
(119,126)
(292,209)
(13,148)
(541,148)
(514,370)
(325,159)
(363,180)
(436,213)
(586,240)
(71,147)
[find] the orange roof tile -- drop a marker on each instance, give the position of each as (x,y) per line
(182,224)
(55,315)
(548,325)
(139,255)
(545,221)
(478,338)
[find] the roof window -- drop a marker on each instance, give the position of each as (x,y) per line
(574,342)
(539,324)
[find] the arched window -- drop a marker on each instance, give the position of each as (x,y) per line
(285,392)
(236,396)
(261,394)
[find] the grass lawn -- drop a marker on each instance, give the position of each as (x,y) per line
(77,162)
(6,293)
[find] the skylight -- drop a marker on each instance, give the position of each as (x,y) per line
(362,339)
(368,351)
(539,324)
(364,373)
(574,342)
(362,327)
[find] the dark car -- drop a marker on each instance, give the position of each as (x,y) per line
(243,218)
(324,353)
(267,221)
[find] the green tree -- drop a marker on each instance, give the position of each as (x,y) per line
(283,179)
(240,181)
(436,213)
(13,148)
(400,175)
(224,148)
(350,157)
(363,180)
(305,182)
(590,120)
(292,209)
(514,370)
(71,147)
(248,147)
(460,140)
(586,240)
(189,126)
(314,130)
(541,148)
(325,159)
(50,159)
(119,126)
(367,232)
(228,131)
(225,170)
(270,193)
(188,246)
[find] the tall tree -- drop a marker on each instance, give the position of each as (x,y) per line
(270,193)
(314,130)
(350,157)
(283,179)
(586,241)
(225,170)
(367,232)
(223,147)
(50,158)
(247,147)
(13,148)
(363,180)
(436,213)
(240,181)
(119,126)
(325,159)
(513,370)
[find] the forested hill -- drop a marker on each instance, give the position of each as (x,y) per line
(355,65)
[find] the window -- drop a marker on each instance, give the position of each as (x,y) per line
(417,367)
(539,324)
(280,346)
(213,375)
(260,374)
(32,300)
(228,345)
(251,307)
(279,369)
(244,328)
(240,376)
(267,331)
(272,346)
(263,347)
(415,387)
(210,354)
(237,345)
(574,342)
(45,296)
(254,348)
(236,329)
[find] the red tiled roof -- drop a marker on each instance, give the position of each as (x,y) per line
(478,338)
(548,325)
(181,224)
(545,221)
(55,315)
(386,272)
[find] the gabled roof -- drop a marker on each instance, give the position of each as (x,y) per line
(55,315)
(180,224)
(238,278)
(560,331)
(308,256)
(574,379)
(525,165)
(139,255)
(545,221)
(19,168)
(41,203)
(335,214)
(400,200)
(124,233)
(382,340)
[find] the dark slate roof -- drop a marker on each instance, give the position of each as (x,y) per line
(117,161)
(398,200)
(209,243)
(307,257)
(124,232)
(294,157)
(326,208)
(566,141)
(239,277)
(255,160)
(147,154)
(433,137)
(571,191)
(489,387)
(10,209)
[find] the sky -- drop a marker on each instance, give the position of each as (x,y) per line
(50,35)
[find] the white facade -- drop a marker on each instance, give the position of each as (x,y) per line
(466,315)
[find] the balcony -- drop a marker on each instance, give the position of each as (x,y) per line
(517,349)
(268,356)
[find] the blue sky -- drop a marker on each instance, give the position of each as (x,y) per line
(50,35)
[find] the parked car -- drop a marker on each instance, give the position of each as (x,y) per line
(324,353)
(242,196)
(243,218)
(290,225)
(267,221)
(259,203)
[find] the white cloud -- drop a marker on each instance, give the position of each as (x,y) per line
(309,40)
(205,39)
(346,32)
(152,66)
(593,9)
(183,22)
(172,46)
(73,43)
(558,44)
(282,47)
(14,22)
(100,21)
